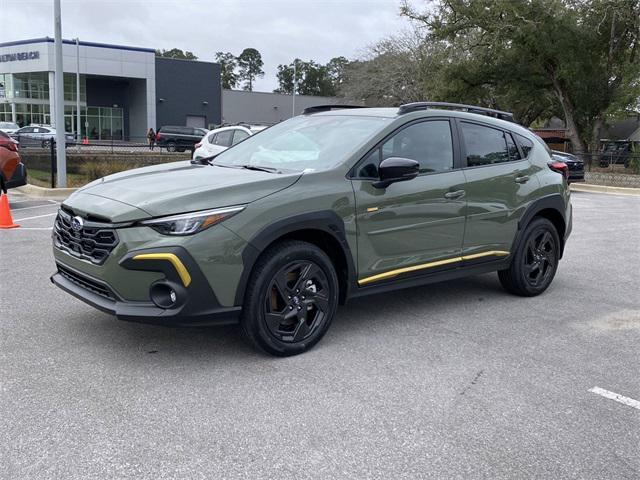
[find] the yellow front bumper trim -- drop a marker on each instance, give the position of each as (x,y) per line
(423,266)
(183,273)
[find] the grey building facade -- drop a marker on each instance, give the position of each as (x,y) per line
(239,106)
(123,90)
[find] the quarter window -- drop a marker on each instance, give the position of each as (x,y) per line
(224,138)
(485,145)
(525,144)
(239,135)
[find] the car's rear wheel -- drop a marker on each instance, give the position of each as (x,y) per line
(535,260)
(291,299)
(171,147)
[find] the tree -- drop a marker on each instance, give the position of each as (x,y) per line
(250,64)
(176,53)
(228,64)
(578,56)
(312,78)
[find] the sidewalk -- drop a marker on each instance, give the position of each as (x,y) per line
(586,187)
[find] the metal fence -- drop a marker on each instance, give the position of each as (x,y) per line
(610,162)
(88,162)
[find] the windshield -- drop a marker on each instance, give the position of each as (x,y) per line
(304,142)
(8,125)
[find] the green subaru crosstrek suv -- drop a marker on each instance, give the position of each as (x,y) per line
(277,231)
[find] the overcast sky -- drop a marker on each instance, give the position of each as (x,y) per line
(280,29)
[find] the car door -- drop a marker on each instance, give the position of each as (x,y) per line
(26,136)
(416,226)
(499,183)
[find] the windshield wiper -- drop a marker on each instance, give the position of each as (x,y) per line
(259,169)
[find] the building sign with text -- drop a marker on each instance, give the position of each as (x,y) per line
(16,57)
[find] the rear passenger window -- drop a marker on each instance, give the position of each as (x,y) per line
(485,145)
(514,153)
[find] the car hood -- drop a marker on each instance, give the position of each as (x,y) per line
(173,188)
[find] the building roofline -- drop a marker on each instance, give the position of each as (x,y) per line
(72,42)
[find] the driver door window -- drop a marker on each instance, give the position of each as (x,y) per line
(430,143)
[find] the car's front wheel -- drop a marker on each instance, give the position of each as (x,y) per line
(291,299)
(535,261)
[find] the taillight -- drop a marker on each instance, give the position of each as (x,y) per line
(158,136)
(560,167)
(198,145)
(8,144)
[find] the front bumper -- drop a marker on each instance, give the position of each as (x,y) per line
(196,303)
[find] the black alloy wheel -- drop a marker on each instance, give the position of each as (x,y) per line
(296,302)
(535,260)
(290,299)
(540,258)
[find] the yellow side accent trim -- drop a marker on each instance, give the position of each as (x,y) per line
(422,266)
(173,259)
(372,209)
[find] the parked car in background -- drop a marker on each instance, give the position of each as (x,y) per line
(575,165)
(220,139)
(9,127)
(277,231)
(179,139)
(13,173)
(39,136)
(616,152)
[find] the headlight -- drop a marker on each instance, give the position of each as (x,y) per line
(190,223)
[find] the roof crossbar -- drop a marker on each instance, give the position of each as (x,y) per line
(327,108)
(412,107)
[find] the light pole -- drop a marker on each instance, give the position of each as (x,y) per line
(78,118)
(293,97)
(59,97)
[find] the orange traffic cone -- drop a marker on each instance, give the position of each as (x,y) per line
(6,220)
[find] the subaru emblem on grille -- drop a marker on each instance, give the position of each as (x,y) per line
(77,223)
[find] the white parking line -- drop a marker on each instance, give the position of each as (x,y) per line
(37,206)
(34,200)
(37,216)
(617,397)
(30,228)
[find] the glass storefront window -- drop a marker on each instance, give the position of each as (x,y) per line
(26,114)
(31,85)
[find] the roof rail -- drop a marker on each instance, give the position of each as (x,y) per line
(327,108)
(412,107)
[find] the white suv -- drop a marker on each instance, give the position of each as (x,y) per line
(220,139)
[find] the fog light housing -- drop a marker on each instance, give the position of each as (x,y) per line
(166,295)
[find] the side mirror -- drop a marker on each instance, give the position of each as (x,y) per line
(396,169)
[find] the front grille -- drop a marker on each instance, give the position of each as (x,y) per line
(86,283)
(93,242)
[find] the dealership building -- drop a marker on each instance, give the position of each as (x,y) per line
(123,90)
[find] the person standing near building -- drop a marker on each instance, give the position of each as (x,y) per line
(151,137)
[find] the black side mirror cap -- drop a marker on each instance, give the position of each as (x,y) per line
(396,169)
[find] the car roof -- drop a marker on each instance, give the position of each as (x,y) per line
(394,113)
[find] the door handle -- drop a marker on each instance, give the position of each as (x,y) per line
(523,179)
(454,195)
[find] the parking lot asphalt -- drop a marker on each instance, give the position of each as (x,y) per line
(453,380)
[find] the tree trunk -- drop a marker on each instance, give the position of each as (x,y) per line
(595,136)
(567,108)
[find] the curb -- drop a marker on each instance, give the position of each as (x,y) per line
(586,187)
(35,191)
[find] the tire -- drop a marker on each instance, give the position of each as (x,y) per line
(535,261)
(46,143)
(291,299)
(171,147)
